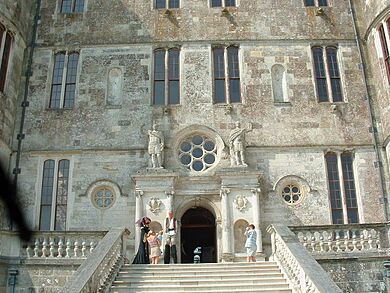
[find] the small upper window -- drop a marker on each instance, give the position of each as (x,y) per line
(222,3)
(72,6)
(316,2)
(383,30)
(166,4)
(6,40)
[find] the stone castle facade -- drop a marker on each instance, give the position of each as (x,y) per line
(308,82)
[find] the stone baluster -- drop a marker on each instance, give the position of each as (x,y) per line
(36,248)
(92,247)
(68,248)
(76,249)
(354,241)
(29,250)
(346,240)
(60,247)
(139,212)
(83,249)
(52,247)
(226,225)
(313,243)
(330,240)
(338,242)
(322,243)
(44,248)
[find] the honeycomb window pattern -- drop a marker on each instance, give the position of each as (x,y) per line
(198,153)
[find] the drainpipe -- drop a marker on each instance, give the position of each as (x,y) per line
(375,138)
(20,136)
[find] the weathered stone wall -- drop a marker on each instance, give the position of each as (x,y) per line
(357,275)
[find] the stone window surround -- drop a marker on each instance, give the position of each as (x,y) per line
(39,177)
(201,130)
(103,183)
(328,78)
(301,183)
(226,66)
(166,48)
(59,8)
(338,154)
(67,52)
(382,44)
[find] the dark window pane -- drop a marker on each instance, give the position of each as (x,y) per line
(322,2)
(235,95)
(349,187)
(334,74)
(5,60)
(336,90)
(353,216)
(160,4)
(309,2)
(230,2)
(79,6)
(320,75)
(174,92)
(216,3)
(70,86)
(334,188)
(234,70)
(46,195)
(219,91)
(219,63)
(385,49)
(174,3)
(159,93)
(66,6)
(58,69)
(62,194)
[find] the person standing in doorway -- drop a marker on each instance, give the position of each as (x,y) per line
(170,238)
(250,243)
(142,256)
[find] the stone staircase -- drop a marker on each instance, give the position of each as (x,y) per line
(262,276)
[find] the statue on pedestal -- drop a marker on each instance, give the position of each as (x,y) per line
(237,145)
(156,147)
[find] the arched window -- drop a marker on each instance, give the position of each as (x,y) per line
(71,6)
(334,74)
(384,45)
(54,195)
(114,87)
(279,83)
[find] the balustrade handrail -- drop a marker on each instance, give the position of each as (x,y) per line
(302,270)
(91,275)
(339,226)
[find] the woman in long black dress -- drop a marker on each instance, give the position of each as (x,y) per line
(142,256)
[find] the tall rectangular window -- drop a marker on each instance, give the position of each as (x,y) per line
(226,76)
(328,81)
(222,3)
(343,200)
(54,194)
(315,2)
(166,80)
(64,66)
(385,47)
(6,40)
(72,6)
(166,4)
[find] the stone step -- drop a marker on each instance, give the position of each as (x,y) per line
(223,287)
(203,275)
(203,265)
(199,282)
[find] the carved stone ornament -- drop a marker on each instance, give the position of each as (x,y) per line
(154,205)
(241,202)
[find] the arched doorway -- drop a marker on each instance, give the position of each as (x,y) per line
(198,230)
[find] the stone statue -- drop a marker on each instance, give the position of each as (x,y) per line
(237,145)
(156,147)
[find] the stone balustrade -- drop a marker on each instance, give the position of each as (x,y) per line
(62,244)
(97,272)
(352,238)
(302,270)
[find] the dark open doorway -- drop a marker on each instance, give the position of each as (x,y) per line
(198,230)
